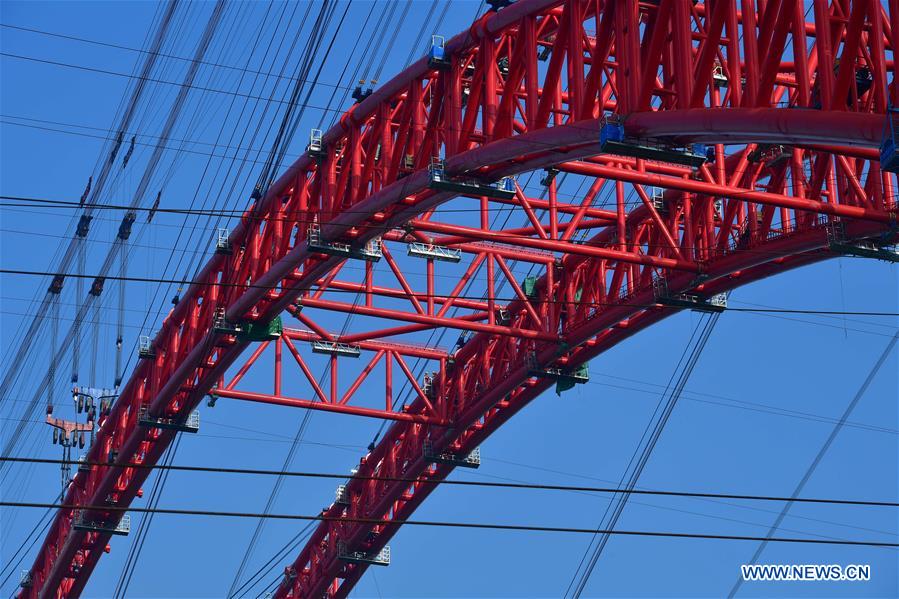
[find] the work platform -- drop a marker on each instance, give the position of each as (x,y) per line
(472,460)
(381,558)
(612,140)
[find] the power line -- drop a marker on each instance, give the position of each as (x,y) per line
(424,294)
(21,57)
(136,143)
(464,483)
(266,438)
(51,203)
(135,133)
(819,456)
(28,542)
(66,254)
(143,530)
(840,320)
(173,117)
(248,215)
(762,408)
(639,458)
(725,402)
(142,232)
(152,80)
(245,129)
(447,524)
(160,54)
(671,508)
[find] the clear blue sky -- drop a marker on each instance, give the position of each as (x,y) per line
(757,409)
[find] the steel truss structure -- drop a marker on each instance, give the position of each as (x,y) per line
(792,162)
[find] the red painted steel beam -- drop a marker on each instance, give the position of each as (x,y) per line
(768,125)
(309,404)
(714,189)
(404,349)
(454,323)
(551,245)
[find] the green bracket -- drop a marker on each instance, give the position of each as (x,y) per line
(530,286)
(259,331)
(578,376)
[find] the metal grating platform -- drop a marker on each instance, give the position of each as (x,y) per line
(612,140)
(472,460)
(439,180)
(145,348)
(341,497)
(190,425)
(370,252)
(690,301)
(381,558)
(434,252)
(122,527)
(336,348)
(576,376)
(863,248)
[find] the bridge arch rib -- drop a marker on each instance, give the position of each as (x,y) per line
(527,88)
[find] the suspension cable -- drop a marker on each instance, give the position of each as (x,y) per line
(76,325)
(173,115)
(75,244)
(120,321)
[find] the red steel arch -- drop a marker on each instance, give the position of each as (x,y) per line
(793,177)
